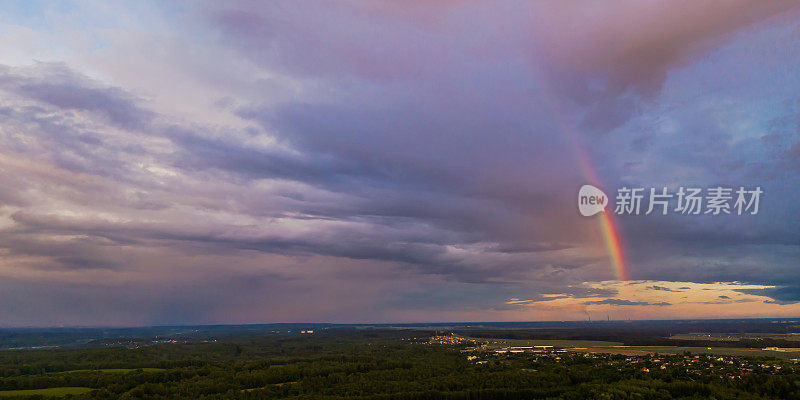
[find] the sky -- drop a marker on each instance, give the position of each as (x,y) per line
(369,161)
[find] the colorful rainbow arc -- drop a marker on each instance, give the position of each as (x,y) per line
(608,226)
(612,239)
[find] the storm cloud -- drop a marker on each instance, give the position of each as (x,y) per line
(382,161)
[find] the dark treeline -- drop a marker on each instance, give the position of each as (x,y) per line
(632,332)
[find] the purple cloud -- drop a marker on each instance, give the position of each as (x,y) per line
(390,159)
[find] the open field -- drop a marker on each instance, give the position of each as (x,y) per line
(719,351)
(52,392)
(735,336)
(556,343)
(595,346)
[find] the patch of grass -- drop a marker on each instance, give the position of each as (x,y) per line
(53,392)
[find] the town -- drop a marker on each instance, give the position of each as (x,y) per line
(621,358)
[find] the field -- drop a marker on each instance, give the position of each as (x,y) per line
(556,343)
(735,336)
(717,351)
(50,392)
(596,346)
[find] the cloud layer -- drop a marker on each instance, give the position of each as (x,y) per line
(386,161)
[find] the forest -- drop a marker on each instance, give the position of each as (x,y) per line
(378,364)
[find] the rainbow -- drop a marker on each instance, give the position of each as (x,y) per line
(611,236)
(608,226)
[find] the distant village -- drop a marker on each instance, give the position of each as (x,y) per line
(734,367)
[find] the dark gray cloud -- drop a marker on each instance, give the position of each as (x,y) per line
(410,218)
(662,288)
(57,85)
(604,92)
(782,294)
